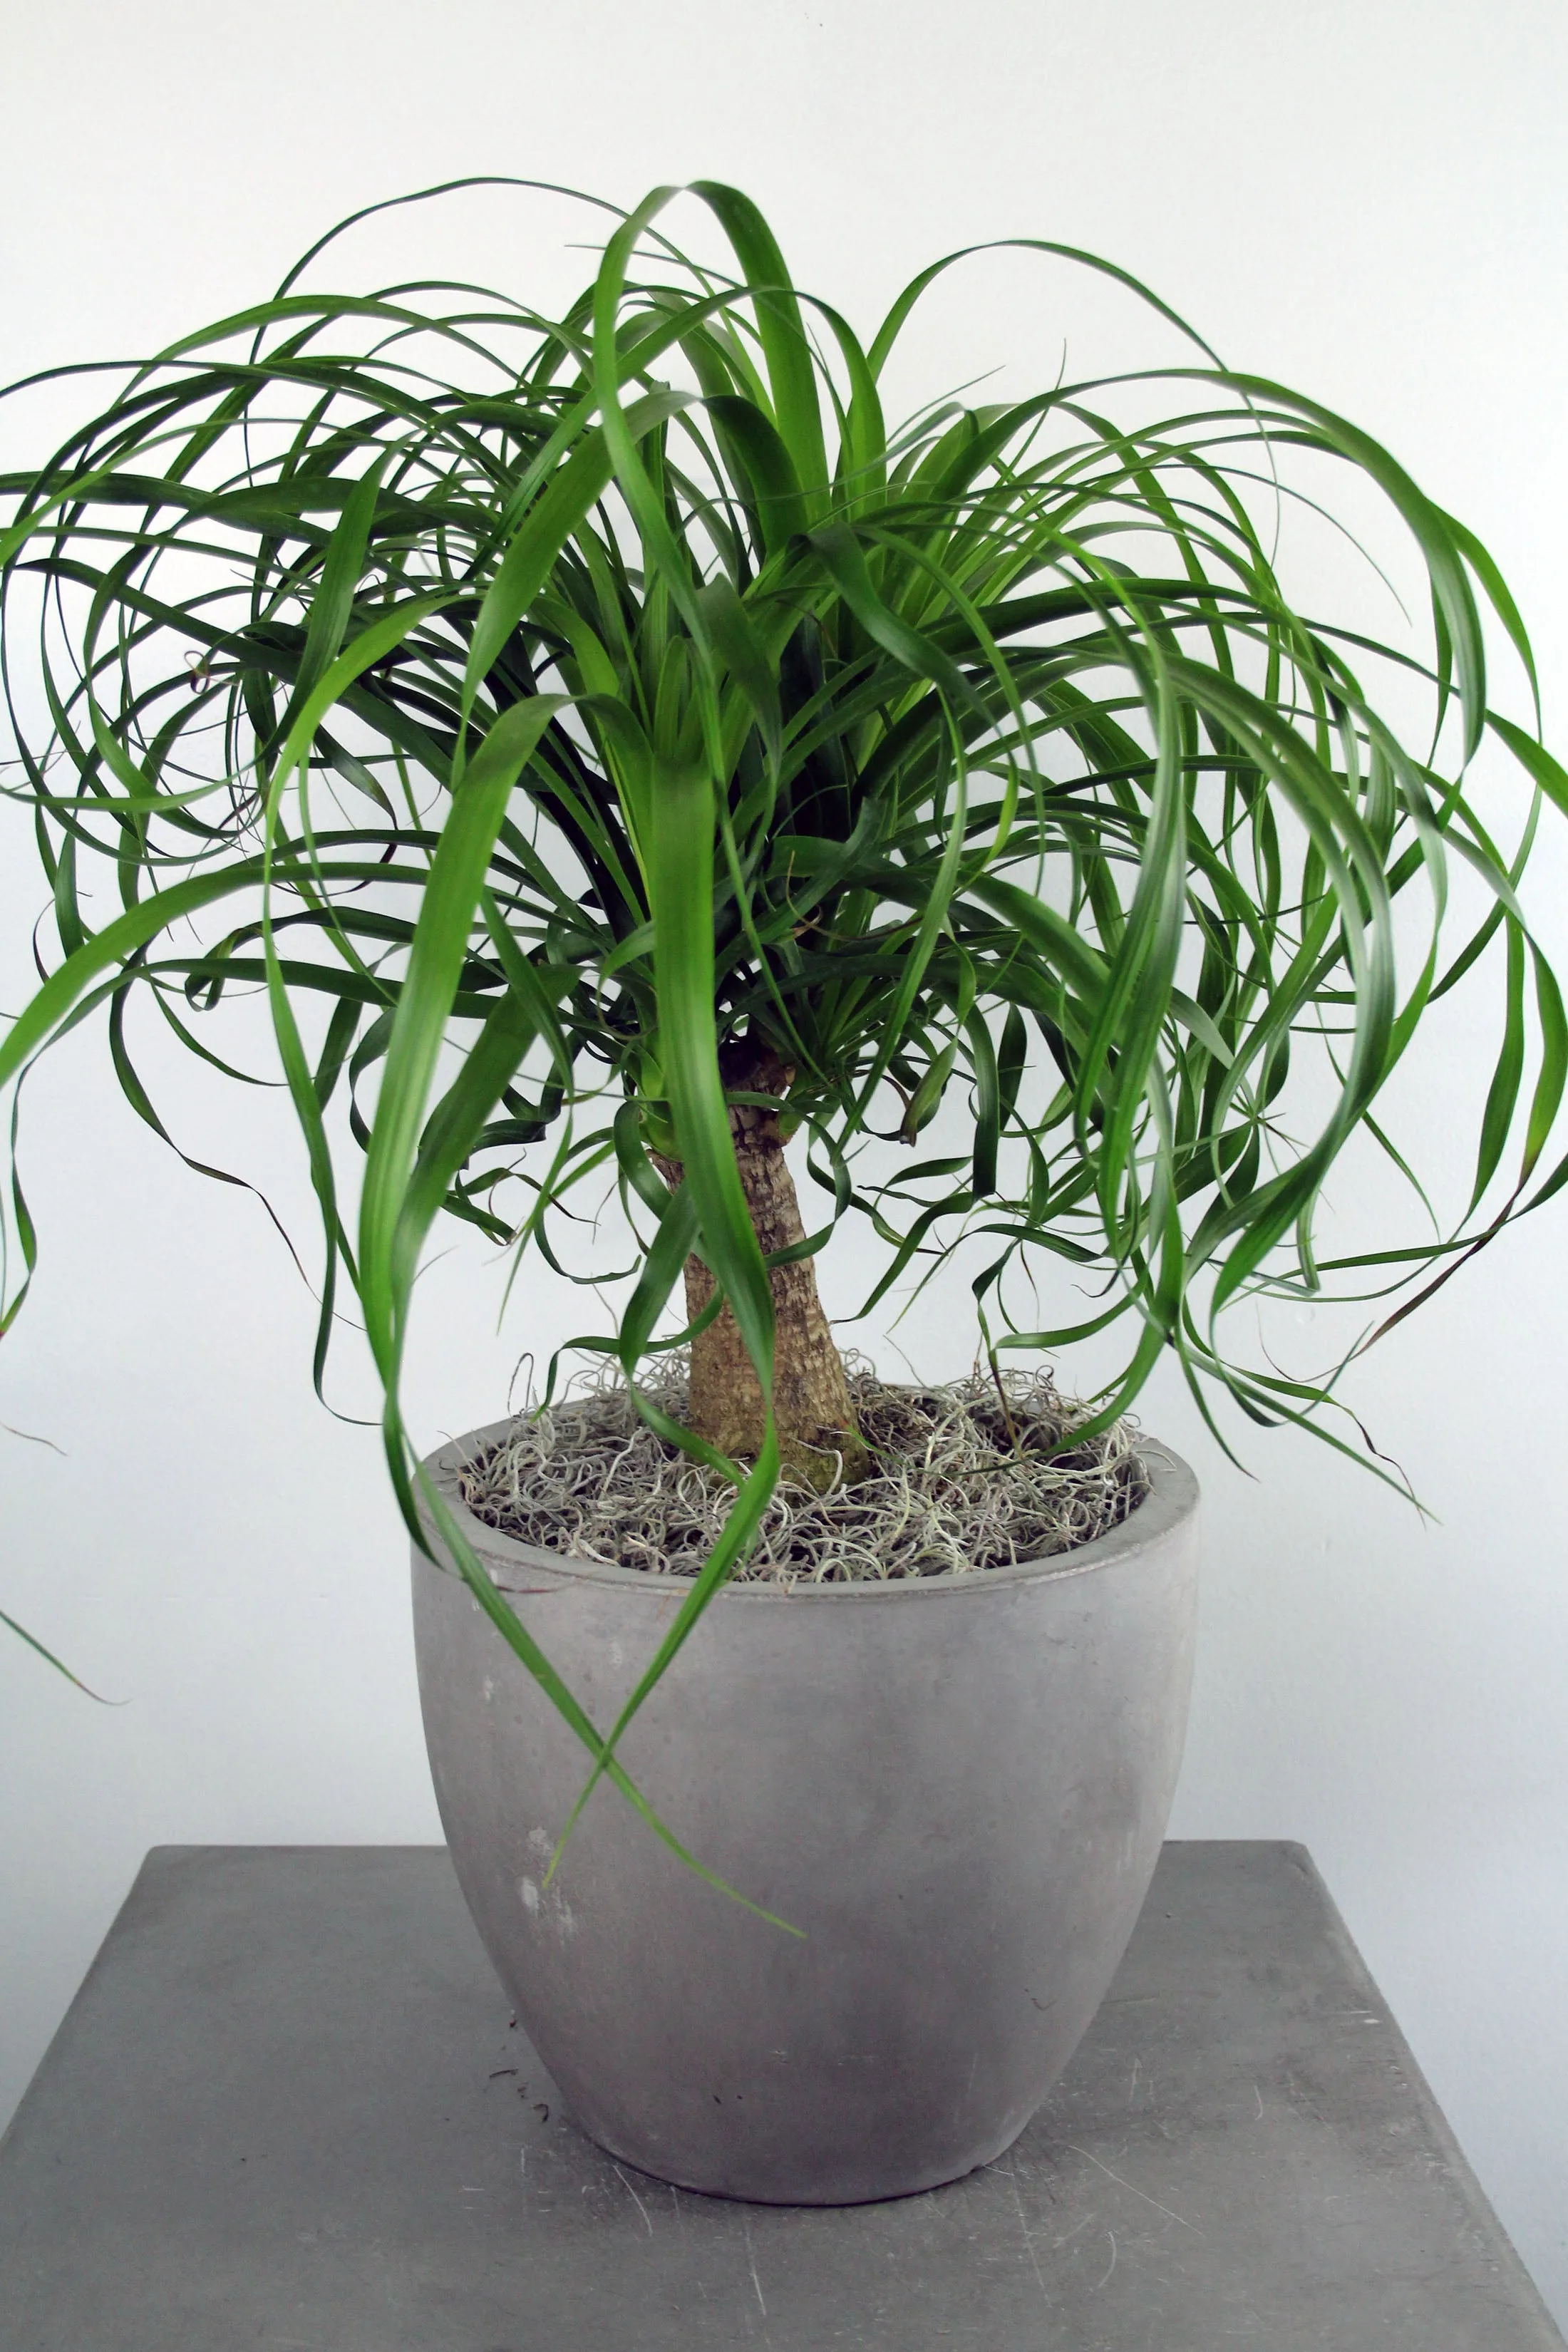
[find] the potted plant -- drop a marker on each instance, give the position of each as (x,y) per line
(614,751)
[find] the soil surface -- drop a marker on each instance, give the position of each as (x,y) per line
(964,1479)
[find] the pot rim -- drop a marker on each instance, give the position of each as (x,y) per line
(1172,1498)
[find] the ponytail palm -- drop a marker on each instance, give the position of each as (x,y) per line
(614,747)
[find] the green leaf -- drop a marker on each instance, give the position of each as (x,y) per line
(424,1006)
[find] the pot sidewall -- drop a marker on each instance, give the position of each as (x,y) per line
(955,1788)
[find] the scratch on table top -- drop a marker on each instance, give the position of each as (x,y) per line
(1136,2191)
(632,2193)
(1110,2266)
(1028,2235)
(752,2265)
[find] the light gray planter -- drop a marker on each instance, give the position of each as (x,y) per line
(956,1786)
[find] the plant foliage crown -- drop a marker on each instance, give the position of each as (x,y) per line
(532,706)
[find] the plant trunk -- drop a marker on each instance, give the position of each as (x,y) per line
(815,1418)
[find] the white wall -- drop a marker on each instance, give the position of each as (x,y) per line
(1367,200)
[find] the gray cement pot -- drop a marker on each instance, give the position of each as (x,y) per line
(957,1788)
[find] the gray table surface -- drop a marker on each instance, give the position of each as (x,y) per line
(288,2110)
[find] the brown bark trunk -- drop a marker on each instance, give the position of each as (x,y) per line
(815,1418)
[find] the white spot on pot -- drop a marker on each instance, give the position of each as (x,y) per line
(547,1904)
(541,1840)
(489,1688)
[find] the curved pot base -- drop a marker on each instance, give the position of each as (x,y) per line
(955,1790)
(904,2183)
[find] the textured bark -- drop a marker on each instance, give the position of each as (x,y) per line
(812,1410)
